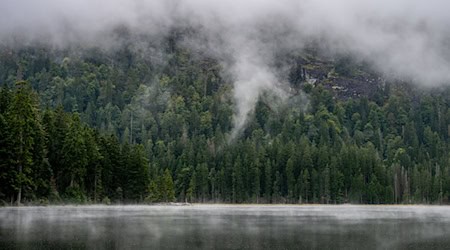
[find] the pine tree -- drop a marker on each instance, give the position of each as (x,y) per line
(190,193)
(23,119)
(256,183)
(290,179)
(74,157)
(238,183)
(166,188)
(268,181)
(153,193)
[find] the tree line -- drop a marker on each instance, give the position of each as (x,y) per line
(121,128)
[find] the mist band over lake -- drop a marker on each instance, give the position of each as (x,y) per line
(225,227)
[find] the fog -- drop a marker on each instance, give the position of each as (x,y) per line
(226,226)
(404,40)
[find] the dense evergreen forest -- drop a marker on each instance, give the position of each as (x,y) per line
(128,126)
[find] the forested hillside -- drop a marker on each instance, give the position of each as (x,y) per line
(130,126)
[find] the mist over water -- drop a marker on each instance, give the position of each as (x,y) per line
(225,227)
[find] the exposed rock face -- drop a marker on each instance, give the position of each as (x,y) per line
(345,88)
(354,82)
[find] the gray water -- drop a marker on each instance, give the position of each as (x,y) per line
(225,227)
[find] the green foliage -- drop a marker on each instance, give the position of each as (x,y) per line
(101,127)
(74,195)
(166,192)
(106,201)
(153,193)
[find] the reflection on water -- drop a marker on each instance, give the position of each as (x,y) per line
(225,227)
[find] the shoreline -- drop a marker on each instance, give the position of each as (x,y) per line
(243,205)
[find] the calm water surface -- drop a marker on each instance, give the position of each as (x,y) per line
(225,227)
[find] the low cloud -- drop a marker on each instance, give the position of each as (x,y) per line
(403,39)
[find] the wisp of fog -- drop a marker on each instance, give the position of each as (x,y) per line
(402,39)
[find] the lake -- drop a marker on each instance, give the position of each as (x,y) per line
(225,227)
